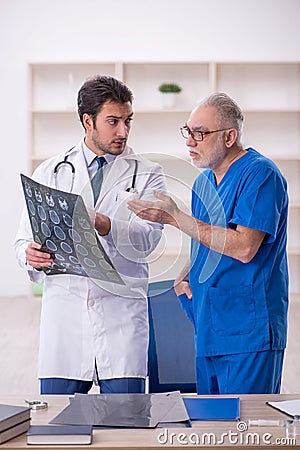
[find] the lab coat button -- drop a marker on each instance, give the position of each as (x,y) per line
(91,303)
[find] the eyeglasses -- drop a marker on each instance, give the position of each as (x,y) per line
(197,135)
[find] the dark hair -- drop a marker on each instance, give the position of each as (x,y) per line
(98,90)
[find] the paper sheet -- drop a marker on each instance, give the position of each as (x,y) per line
(290,407)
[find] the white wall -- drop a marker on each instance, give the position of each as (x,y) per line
(95,30)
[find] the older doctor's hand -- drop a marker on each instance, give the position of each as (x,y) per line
(164,211)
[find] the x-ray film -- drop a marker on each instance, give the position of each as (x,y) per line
(61,224)
(124,410)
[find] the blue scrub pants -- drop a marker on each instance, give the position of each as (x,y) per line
(114,386)
(243,373)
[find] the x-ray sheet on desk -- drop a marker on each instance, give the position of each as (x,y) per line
(124,410)
(61,224)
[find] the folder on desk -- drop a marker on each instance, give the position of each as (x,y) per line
(227,409)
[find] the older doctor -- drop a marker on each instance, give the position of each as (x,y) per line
(92,330)
(236,288)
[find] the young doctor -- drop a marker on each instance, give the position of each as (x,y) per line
(236,289)
(92,330)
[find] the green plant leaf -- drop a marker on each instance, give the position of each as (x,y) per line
(169,87)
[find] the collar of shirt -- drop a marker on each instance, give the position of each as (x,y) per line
(89,156)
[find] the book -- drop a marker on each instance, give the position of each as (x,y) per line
(289,407)
(59,434)
(227,409)
(11,415)
(14,431)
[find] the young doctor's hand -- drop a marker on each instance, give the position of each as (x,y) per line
(36,257)
(164,211)
(100,222)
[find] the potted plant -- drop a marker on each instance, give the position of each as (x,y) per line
(169,92)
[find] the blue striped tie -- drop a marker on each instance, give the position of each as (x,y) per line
(98,178)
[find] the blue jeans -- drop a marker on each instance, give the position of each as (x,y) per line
(114,386)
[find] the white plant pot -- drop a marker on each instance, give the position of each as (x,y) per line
(168,100)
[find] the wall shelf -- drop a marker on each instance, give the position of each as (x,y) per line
(268,93)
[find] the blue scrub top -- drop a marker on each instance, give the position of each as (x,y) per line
(238,307)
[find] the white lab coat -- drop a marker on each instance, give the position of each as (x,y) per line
(82,320)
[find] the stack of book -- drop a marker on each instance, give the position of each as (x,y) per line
(14,420)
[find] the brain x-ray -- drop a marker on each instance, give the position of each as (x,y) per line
(61,224)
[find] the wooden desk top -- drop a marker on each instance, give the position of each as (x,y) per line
(226,435)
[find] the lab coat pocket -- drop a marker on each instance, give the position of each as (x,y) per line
(121,209)
(232,310)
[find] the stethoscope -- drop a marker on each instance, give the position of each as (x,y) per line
(64,163)
(71,166)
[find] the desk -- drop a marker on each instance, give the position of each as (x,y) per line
(224,434)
